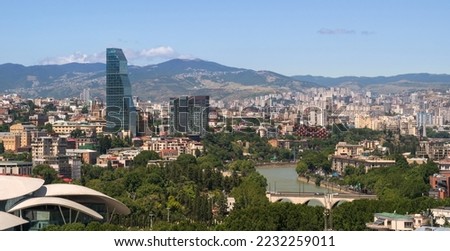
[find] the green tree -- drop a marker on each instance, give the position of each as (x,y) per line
(242,166)
(353,216)
(48,127)
(143,157)
(186,159)
(46,172)
(316,160)
(133,181)
(318,181)
(49,107)
(251,191)
(118,142)
(85,110)
(393,182)
(90,172)
(210,161)
(31,106)
(401,161)
(351,170)
(301,168)
(4,128)
(280,216)
(104,143)
(77,133)
(25,156)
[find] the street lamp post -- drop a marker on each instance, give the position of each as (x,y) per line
(326,213)
(151,220)
(168,214)
(331,210)
(331,219)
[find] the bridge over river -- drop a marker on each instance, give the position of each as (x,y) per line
(328,200)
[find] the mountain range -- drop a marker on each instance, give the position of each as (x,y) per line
(178,77)
(382,84)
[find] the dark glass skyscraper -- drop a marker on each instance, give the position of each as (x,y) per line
(120,111)
(189,115)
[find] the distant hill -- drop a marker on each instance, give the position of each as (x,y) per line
(157,82)
(15,75)
(383,84)
(177,77)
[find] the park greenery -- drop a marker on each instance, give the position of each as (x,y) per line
(433,133)
(241,145)
(191,192)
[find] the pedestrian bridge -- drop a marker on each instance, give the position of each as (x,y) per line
(328,200)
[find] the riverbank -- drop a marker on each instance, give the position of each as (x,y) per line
(284,178)
(333,188)
(275,164)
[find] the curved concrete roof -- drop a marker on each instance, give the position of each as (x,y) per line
(16,186)
(38,201)
(8,221)
(75,191)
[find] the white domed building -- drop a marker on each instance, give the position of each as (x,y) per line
(27,204)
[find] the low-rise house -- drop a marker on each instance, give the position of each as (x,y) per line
(444,165)
(356,155)
(339,162)
(397,222)
(168,154)
(114,161)
(66,127)
(441,215)
(11,142)
(180,145)
(439,183)
(345,149)
(87,156)
(16,168)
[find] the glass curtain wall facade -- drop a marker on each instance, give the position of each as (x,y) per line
(120,110)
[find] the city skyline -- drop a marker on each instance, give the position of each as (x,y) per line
(292,38)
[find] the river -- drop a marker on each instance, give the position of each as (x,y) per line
(283,178)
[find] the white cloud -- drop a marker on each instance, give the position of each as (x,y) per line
(341,31)
(133,56)
(76,57)
(326,31)
(367,33)
(161,52)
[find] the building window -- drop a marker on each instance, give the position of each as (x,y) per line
(408,225)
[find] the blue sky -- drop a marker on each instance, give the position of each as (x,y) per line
(291,37)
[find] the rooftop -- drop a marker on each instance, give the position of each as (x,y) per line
(15,162)
(393,216)
(343,143)
(80,151)
(428,228)
(445,161)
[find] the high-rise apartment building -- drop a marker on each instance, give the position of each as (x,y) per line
(27,133)
(120,110)
(189,115)
(52,151)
